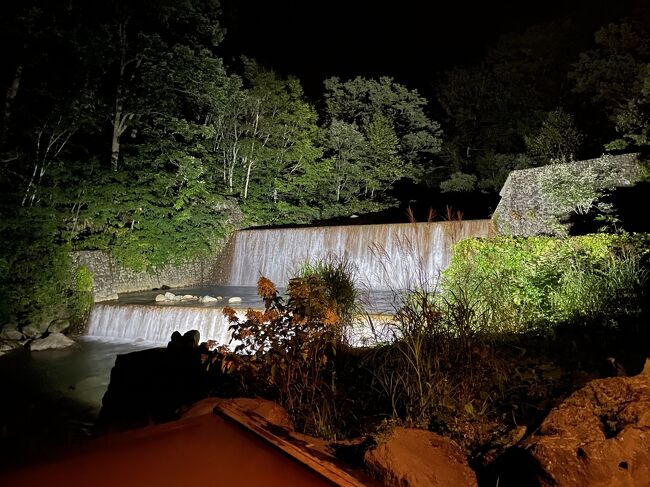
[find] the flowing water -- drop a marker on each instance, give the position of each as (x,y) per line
(385,256)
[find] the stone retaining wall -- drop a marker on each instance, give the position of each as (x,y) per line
(525,210)
(110,278)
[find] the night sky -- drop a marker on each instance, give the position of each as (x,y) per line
(412,41)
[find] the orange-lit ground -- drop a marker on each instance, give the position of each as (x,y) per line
(205,450)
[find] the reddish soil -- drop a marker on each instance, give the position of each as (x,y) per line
(418,458)
(198,450)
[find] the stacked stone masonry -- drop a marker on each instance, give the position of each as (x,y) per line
(524,209)
(110,278)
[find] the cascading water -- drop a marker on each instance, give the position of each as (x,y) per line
(155,323)
(394,257)
(386,256)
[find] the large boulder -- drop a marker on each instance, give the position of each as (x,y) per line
(58,326)
(413,457)
(10,332)
(52,341)
(599,436)
(151,385)
(32,331)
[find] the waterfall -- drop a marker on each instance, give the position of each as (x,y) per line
(391,256)
(156,323)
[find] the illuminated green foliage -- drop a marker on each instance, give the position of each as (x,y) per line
(535,283)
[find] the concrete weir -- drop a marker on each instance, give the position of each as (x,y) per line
(385,256)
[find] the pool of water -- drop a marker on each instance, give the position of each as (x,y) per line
(371,300)
(51,398)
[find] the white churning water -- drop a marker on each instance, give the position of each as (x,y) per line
(386,256)
(155,323)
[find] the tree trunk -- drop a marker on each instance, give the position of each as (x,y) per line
(115,142)
(248,178)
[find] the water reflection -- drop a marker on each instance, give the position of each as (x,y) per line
(51,398)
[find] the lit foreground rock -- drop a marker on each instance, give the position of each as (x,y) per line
(413,457)
(600,436)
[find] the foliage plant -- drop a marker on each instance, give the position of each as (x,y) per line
(340,286)
(291,346)
(536,283)
(37,278)
(439,371)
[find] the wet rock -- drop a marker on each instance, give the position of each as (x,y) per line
(413,457)
(160,297)
(10,332)
(190,339)
(106,297)
(170,296)
(52,341)
(600,436)
(235,299)
(207,299)
(58,326)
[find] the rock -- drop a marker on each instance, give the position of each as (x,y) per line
(152,384)
(176,340)
(234,299)
(192,338)
(10,332)
(170,296)
(52,341)
(160,297)
(188,297)
(7,346)
(58,326)
(207,299)
(106,297)
(413,457)
(599,436)
(32,331)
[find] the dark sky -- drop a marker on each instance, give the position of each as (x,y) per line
(412,41)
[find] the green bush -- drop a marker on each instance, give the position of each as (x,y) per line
(340,286)
(535,283)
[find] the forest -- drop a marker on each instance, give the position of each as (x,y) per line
(123,129)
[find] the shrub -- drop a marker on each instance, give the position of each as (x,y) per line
(535,283)
(339,278)
(292,346)
(439,372)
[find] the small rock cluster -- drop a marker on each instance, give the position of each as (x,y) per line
(44,336)
(169,297)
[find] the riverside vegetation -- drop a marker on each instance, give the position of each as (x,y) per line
(513,326)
